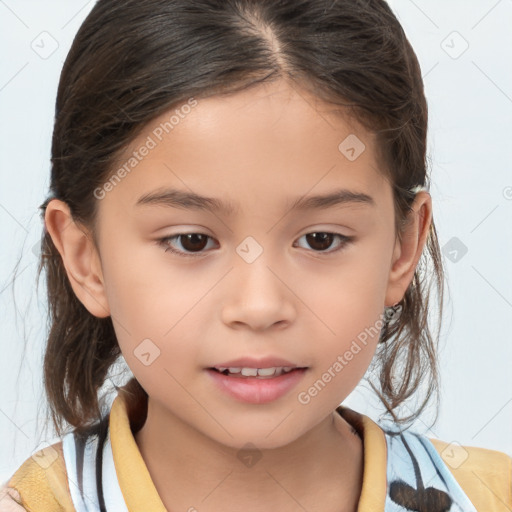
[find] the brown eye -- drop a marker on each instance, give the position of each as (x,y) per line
(319,241)
(193,241)
(192,244)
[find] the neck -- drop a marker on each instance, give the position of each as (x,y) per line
(321,470)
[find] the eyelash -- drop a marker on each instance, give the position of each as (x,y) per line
(345,240)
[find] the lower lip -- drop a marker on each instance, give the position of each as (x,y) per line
(256,390)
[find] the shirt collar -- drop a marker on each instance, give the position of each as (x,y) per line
(373,491)
(140,493)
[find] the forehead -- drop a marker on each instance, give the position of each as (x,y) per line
(267,141)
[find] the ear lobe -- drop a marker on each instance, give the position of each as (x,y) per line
(408,250)
(80,257)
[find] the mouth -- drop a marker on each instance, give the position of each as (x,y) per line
(259,373)
(256,385)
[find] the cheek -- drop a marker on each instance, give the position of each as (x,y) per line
(347,302)
(344,351)
(347,297)
(157,311)
(146,291)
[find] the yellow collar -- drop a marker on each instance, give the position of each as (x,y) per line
(373,492)
(140,493)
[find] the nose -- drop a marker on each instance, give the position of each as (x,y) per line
(256,296)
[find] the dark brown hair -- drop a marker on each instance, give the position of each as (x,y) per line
(133,60)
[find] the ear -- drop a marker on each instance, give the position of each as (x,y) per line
(80,257)
(408,251)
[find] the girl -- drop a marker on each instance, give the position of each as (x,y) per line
(238,207)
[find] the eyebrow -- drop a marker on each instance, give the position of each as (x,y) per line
(183,199)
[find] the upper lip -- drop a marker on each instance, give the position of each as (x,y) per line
(251,362)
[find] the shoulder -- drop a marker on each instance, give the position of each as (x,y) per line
(485,475)
(42,481)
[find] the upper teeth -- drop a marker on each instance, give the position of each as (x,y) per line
(263,372)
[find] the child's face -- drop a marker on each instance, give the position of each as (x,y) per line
(260,287)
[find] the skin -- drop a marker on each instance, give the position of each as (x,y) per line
(9,500)
(258,149)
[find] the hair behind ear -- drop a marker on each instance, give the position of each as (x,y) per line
(78,344)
